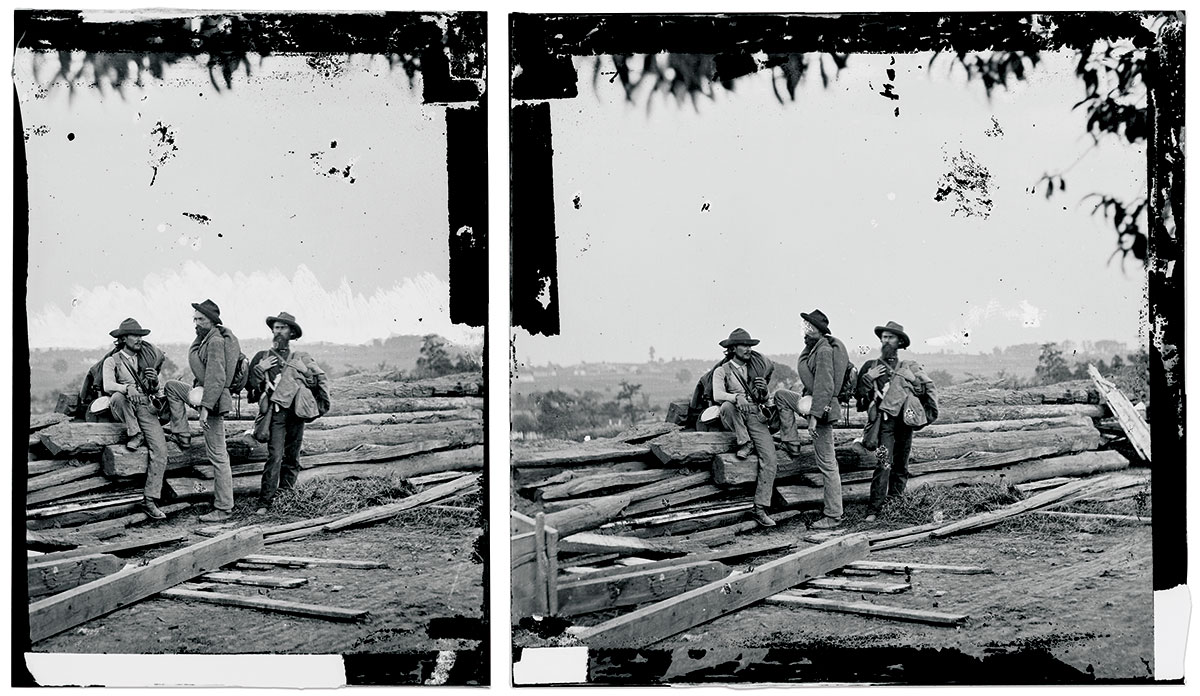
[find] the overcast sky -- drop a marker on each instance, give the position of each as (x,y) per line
(828,202)
(246,211)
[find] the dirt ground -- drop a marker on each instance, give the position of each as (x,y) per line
(1077,596)
(429,598)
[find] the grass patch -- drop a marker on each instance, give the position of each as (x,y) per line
(954,502)
(321,497)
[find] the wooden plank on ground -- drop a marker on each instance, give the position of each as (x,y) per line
(295,608)
(903,567)
(65,490)
(666,618)
(306,561)
(583,485)
(668,501)
(51,577)
(986,519)
(231,578)
(1035,486)
(384,512)
(68,609)
(38,467)
(73,471)
(1131,421)
(711,536)
(868,586)
(868,609)
(82,505)
(1093,516)
(589,542)
(103,527)
(727,553)
(636,586)
(117,548)
(577,454)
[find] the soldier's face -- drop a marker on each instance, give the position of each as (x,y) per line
(742,351)
(133,342)
(281,332)
(202,323)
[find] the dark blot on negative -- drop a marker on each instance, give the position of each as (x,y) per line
(202,219)
(967,185)
(887,92)
(70,136)
(577,202)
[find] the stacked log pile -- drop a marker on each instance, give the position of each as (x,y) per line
(641,520)
(82,480)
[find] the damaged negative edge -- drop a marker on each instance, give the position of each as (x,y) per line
(467,203)
(534,254)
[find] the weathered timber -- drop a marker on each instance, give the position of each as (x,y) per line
(384,512)
(52,577)
(294,608)
(869,609)
(75,471)
(696,448)
(722,534)
(683,527)
(670,501)
(1082,464)
(663,619)
(966,394)
(440,476)
(588,542)
(599,482)
(37,421)
(460,384)
(40,540)
(652,491)
(74,438)
(726,553)
(79,504)
(976,460)
(729,470)
(1095,516)
(588,515)
(305,561)
(395,462)
(578,454)
(637,586)
(99,528)
(877,537)
(905,567)
(231,578)
(540,477)
(692,512)
(677,412)
(867,586)
(68,609)
(971,414)
(1132,423)
(986,519)
(401,404)
(65,490)
(398,418)
(1034,486)
(645,431)
(74,519)
(128,546)
(38,467)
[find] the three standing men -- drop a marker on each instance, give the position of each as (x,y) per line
(282,381)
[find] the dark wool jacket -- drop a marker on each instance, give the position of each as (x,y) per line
(213,360)
(908,377)
(821,370)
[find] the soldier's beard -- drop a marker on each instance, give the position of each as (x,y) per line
(888,351)
(280,342)
(201,332)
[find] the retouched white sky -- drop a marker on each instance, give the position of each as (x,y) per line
(828,202)
(354,258)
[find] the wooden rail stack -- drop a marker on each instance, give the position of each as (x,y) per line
(639,520)
(84,484)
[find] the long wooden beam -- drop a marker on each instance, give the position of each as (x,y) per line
(99,597)
(869,609)
(1131,421)
(637,586)
(52,577)
(116,548)
(276,605)
(668,617)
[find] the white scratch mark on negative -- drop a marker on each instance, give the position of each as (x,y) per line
(544,294)
(441,671)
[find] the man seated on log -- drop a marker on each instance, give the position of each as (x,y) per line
(213,358)
(131,383)
(290,390)
(739,388)
(883,391)
(822,368)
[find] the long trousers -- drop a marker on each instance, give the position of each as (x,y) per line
(141,418)
(891,462)
(214,442)
(283,454)
(753,428)
(822,437)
